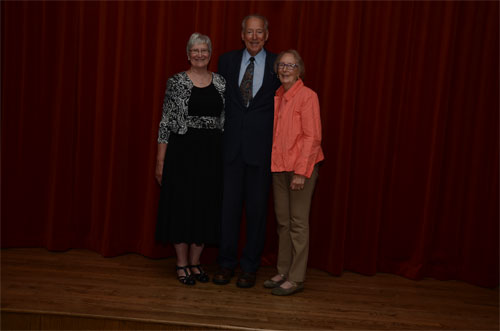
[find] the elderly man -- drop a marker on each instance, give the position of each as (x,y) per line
(250,87)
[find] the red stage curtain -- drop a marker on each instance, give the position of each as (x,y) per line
(409,105)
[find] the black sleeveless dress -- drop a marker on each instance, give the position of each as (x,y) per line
(191,191)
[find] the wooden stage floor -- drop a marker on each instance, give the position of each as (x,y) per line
(79,289)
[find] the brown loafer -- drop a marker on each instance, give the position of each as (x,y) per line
(297,287)
(223,276)
(272,283)
(246,279)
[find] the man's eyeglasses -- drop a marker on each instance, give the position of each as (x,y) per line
(287,66)
(199,51)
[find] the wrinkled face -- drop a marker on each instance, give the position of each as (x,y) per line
(288,70)
(199,55)
(254,35)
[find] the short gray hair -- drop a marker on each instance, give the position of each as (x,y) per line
(266,23)
(298,59)
(198,38)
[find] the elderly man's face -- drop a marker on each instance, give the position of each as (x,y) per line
(254,35)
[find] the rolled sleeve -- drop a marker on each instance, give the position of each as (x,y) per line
(311,136)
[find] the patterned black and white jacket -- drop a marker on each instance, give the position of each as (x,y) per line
(175,117)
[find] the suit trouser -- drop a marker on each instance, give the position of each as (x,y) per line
(292,217)
(248,184)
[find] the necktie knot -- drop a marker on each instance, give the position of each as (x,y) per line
(246,85)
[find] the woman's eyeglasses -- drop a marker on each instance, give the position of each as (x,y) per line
(199,51)
(287,66)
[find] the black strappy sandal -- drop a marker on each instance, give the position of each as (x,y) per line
(187,278)
(202,276)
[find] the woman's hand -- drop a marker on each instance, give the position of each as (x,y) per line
(160,158)
(297,182)
(159,171)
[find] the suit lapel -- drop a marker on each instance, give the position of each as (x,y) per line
(235,74)
(236,67)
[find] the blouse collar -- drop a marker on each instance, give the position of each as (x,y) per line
(291,91)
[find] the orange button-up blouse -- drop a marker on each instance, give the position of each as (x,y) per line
(297,130)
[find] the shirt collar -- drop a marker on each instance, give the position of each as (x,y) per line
(259,58)
(291,92)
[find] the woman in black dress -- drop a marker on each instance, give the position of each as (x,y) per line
(190,169)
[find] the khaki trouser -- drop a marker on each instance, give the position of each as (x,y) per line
(292,217)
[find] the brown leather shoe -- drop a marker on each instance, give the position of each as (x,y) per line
(270,283)
(246,279)
(296,287)
(223,276)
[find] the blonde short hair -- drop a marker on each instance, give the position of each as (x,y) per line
(298,59)
(198,38)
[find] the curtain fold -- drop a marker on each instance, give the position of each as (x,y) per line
(409,105)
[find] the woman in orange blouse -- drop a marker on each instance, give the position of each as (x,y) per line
(295,156)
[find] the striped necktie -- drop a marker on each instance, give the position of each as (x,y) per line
(247,83)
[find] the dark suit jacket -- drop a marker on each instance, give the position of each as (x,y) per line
(248,130)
